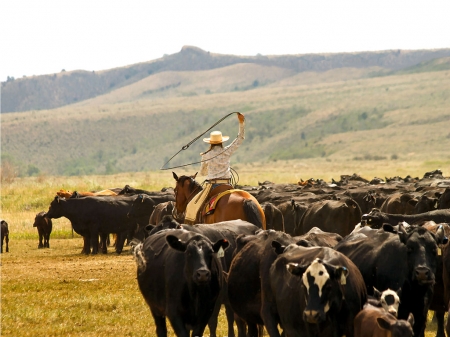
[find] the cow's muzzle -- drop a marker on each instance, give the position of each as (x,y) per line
(312,316)
(423,275)
(202,276)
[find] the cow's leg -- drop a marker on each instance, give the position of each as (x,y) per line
(253,330)
(440,323)
(47,240)
(41,236)
(269,320)
(241,326)
(94,241)
(447,326)
(103,242)
(178,325)
(7,243)
(160,322)
(120,241)
(86,245)
(230,319)
(212,323)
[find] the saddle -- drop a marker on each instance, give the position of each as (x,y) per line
(195,213)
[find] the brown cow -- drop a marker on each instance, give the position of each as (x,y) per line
(376,322)
(44,226)
(68,194)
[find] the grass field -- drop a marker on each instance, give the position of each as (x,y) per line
(59,292)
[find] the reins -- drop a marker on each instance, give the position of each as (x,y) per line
(185,147)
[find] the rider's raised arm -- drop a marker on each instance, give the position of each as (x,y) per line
(240,137)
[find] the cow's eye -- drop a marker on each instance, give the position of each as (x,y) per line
(409,250)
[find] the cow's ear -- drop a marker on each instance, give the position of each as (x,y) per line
(222,243)
(296,269)
(387,227)
(340,274)
(440,236)
(376,293)
(149,228)
(176,243)
(278,248)
(383,323)
(175,176)
(402,233)
(411,319)
(304,243)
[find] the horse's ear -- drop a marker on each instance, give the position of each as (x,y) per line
(175,176)
(194,175)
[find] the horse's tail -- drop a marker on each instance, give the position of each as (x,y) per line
(253,213)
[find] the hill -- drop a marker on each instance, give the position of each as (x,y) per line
(344,114)
(56,90)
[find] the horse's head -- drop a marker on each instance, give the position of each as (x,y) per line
(185,189)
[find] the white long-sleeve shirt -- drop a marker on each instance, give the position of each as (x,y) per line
(219,166)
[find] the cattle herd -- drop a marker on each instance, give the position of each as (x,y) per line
(343,258)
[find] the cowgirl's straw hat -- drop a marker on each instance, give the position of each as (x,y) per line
(216,138)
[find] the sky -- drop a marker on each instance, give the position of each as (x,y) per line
(45,36)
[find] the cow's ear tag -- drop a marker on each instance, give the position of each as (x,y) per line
(439,251)
(343,279)
(221,252)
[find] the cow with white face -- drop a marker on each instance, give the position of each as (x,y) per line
(319,285)
(389,299)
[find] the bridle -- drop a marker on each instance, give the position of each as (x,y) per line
(179,216)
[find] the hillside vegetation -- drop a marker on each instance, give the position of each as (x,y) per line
(56,90)
(348,114)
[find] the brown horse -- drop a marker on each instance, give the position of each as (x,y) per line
(236,205)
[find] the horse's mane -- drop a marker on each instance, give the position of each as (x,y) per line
(193,185)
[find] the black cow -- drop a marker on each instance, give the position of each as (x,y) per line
(4,235)
(313,291)
(292,213)
(376,218)
(405,259)
(180,278)
(274,217)
(158,197)
(228,230)
(317,237)
(441,291)
(336,216)
(249,276)
(399,203)
(91,216)
(444,199)
(160,210)
(44,226)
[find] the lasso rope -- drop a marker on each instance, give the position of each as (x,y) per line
(185,147)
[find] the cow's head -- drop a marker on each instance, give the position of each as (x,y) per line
(142,205)
(422,250)
(198,252)
(56,208)
(323,284)
(375,218)
(397,328)
(389,299)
